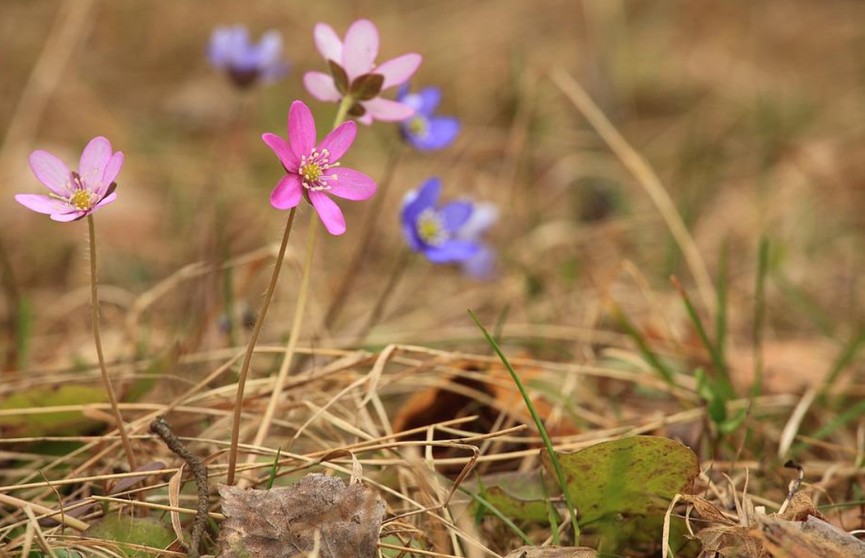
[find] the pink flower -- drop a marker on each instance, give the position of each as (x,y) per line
(352,66)
(75,195)
(314,171)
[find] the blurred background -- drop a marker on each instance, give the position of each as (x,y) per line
(750,113)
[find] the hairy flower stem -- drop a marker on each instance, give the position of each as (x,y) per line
(94,309)
(349,278)
(303,295)
(250,348)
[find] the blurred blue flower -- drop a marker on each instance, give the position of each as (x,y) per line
(450,233)
(245,63)
(424,130)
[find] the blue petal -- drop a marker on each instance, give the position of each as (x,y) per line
(482,265)
(441,132)
(452,251)
(425,197)
(430,98)
(455,214)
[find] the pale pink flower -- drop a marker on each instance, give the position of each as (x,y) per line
(75,195)
(354,58)
(314,170)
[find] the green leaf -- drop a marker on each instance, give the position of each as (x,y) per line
(43,424)
(366,87)
(122,528)
(632,476)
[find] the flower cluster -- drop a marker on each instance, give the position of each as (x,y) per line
(74,195)
(355,76)
(450,233)
(245,63)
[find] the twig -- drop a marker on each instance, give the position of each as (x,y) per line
(199,472)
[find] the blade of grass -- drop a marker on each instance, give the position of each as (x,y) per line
(551,512)
(851,414)
(721,311)
(548,443)
(663,371)
(760,314)
(274,469)
(496,512)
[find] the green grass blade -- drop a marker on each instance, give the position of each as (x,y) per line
(496,512)
(548,443)
(663,371)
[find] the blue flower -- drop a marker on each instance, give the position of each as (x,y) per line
(245,63)
(424,130)
(450,233)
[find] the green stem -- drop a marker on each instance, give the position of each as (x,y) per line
(290,347)
(375,314)
(342,111)
(94,309)
(250,348)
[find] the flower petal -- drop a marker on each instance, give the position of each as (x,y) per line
(455,214)
(67,217)
(441,131)
(387,110)
(321,86)
(112,169)
(452,251)
(338,141)
(485,214)
(282,150)
(351,184)
(51,172)
(286,193)
(301,129)
(430,98)
(327,42)
(329,213)
(110,198)
(416,201)
(360,48)
(482,265)
(42,204)
(398,70)
(94,159)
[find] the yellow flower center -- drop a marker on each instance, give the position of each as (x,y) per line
(430,228)
(418,126)
(312,170)
(81,200)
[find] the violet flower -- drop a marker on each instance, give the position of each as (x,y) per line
(74,195)
(434,231)
(231,51)
(426,131)
(355,75)
(483,264)
(313,170)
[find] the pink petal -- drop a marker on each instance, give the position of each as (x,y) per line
(66,217)
(366,119)
(360,48)
(387,110)
(282,150)
(321,86)
(41,204)
(112,169)
(338,141)
(398,70)
(301,129)
(94,159)
(351,184)
(50,171)
(327,42)
(110,198)
(329,213)
(286,194)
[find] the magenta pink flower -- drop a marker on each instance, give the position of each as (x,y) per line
(75,195)
(352,64)
(314,171)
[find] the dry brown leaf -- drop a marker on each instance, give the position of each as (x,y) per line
(553,552)
(284,522)
(813,538)
(800,508)
(707,510)
(730,541)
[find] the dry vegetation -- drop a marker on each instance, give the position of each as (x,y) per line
(747,115)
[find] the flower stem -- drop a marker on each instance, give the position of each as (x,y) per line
(247,357)
(375,314)
(367,238)
(290,347)
(342,111)
(94,309)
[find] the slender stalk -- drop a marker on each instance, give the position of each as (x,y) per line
(349,278)
(97,338)
(396,274)
(250,348)
(342,111)
(290,347)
